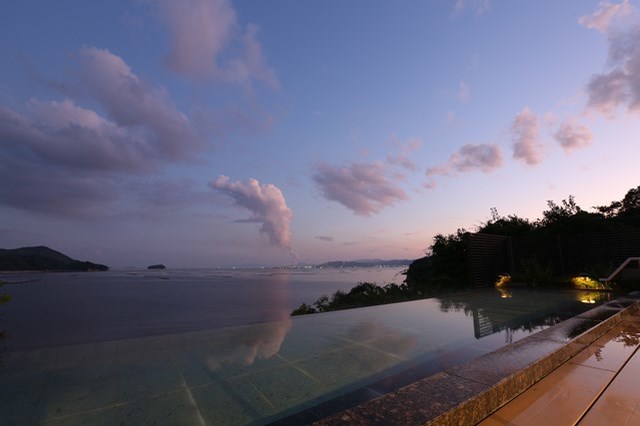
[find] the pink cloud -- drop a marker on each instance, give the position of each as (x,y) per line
(361,187)
(469,158)
(265,202)
(207,43)
(406,149)
(620,86)
(606,16)
(134,104)
(572,135)
(525,129)
(77,158)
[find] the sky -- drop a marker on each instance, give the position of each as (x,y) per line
(206,133)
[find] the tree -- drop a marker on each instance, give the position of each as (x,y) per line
(509,225)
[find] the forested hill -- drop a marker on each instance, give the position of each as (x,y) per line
(43,258)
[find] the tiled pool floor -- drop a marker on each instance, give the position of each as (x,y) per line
(259,373)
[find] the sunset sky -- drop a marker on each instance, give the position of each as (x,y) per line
(205,133)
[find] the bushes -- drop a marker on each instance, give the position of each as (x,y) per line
(363,294)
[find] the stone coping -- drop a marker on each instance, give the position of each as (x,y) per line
(467,393)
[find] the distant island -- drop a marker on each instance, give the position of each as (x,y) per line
(365,263)
(158,266)
(43,258)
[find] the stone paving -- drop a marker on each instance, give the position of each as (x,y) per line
(597,386)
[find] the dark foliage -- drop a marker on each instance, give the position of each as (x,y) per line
(43,258)
(364,294)
(445,266)
(446,263)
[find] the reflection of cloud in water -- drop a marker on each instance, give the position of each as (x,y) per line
(244,345)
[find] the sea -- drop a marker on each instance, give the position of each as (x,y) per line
(62,308)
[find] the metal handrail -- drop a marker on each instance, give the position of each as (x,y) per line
(620,268)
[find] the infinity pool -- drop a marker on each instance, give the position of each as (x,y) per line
(291,370)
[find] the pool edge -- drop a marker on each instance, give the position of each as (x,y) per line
(468,393)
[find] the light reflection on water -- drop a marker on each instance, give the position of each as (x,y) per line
(260,371)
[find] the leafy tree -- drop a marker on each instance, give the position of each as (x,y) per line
(445,266)
(509,225)
(628,207)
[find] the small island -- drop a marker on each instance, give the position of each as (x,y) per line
(43,258)
(158,266)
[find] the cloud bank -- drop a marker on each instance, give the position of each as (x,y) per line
(525,129)
(265,202)
(72,159)
(207,43)
(361,187)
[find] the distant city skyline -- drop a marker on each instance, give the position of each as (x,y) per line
(205,133)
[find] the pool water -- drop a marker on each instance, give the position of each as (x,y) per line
(289,370)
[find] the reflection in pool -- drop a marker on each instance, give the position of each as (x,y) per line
(274,370)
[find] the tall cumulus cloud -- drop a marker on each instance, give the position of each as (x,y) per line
(360,187)
(525,131)
(265,202)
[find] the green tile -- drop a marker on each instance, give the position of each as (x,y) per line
(103,417)
(176,408)
(348,365)
(148,377)
(231,403)
(73,391)
(284,387)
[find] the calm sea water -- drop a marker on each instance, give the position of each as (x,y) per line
(50,309)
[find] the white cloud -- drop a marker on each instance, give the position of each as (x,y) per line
(266,203)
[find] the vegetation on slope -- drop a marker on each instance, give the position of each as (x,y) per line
(43,258)
(445,267)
